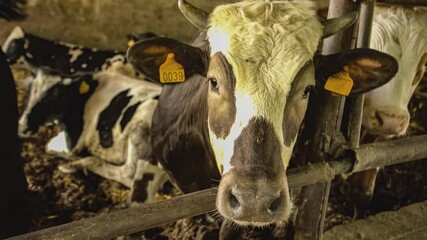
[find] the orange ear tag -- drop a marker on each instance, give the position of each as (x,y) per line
(171,71)
(340,83)
(84,87)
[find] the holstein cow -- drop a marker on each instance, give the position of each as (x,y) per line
(14,217)
(56,58)
(30,53)
(107,119)
(245,95)
(401,33)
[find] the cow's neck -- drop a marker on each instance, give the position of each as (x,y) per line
(180,136)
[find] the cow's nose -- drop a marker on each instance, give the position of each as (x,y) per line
(390,121)
(254,205)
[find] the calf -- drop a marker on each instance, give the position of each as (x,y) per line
(245,95)
(402,33)
(106,115)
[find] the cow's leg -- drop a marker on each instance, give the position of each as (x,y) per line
(362,185)
(121,174)
(149,179)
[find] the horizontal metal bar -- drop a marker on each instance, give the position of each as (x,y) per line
(405,2)
(149,215)
(131,220)
(390,152)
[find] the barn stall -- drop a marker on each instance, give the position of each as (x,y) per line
(66,198)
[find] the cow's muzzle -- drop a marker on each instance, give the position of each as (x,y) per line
(256,202)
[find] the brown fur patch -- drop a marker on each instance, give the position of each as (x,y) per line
(257,151)
(296,103)
(221,103)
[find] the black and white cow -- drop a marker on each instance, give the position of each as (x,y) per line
(56,58)
(246,92)
(14,217)
(107,116)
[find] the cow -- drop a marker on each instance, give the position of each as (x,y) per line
(402,33)
(14,214)
(56,58)
(29,53)
(106,117)
(236,116)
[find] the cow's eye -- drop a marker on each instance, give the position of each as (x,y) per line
(214,84)
(307,91)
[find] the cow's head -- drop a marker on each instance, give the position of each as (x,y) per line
(259,70)
(51,97)
(402,33)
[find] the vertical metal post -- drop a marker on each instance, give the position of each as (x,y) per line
(363,40)
(327,123)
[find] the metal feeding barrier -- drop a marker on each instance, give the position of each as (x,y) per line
(314,178)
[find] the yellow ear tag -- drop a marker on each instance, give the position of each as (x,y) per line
(84,87)
(171,71)
(131,42)
(340,83)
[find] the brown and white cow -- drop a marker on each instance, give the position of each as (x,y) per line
(246,92)
(402,33)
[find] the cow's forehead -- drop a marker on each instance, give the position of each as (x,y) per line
(399,29)
(267,43)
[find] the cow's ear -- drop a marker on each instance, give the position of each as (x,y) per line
(367,68)
(148,55)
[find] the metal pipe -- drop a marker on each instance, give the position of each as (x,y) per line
(149,215)
(363,41)
(385,153)
(131,220)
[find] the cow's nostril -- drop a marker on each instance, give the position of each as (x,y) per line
(234,203)
(378,118)
(275,205)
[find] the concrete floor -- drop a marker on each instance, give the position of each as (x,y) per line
(406,223)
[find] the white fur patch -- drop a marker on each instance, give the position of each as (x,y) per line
(57,144)
(74,53)
(16,33)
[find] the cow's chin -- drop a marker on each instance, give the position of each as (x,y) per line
(257,203)
(384,134)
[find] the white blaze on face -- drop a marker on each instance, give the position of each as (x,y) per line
(267,43)
(401,33)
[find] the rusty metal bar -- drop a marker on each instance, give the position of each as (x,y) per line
(405,2)
(149,215)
